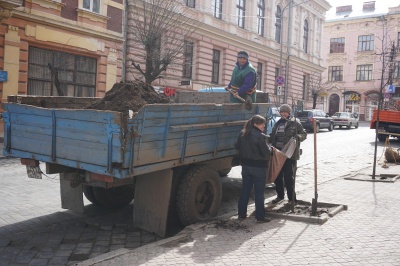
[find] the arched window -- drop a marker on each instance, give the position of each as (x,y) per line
(240,12)
(278,24)
(305,36)
(260,17)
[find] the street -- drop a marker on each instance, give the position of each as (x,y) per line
(35,230)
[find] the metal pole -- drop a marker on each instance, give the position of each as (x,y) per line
(281,49)
(314,203)
(289,40)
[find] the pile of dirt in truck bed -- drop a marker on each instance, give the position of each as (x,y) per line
(128,96)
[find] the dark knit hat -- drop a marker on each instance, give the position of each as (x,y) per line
(285,108)
(243,54)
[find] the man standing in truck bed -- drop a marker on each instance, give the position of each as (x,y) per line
(244,79)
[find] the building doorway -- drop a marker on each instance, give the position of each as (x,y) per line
(334,101)
(371,103)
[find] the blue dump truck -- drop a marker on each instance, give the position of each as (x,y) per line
(167,157)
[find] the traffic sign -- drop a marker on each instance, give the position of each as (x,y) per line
(279,90)
(386,97)
(280,80)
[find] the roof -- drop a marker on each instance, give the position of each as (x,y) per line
(357,12)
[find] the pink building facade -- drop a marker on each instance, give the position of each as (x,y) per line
(276,34)
(360,46)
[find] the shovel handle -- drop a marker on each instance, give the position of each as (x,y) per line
(237,96)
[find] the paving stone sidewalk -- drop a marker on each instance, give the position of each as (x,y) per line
(366,234)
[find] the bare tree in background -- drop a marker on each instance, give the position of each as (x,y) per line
(159,28)
(317,87)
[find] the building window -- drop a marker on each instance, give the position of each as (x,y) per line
(366,43)
(305,37)
(215,66)
(190,3)
(398,39)
(337,45)
(304,87)
(240,12)
(76,74)
(260,17)
(91,5)
(187,60)
(364,72)
(278,24)
(276,86)
(259,76)
(335,73)
(397,70)
(217,8)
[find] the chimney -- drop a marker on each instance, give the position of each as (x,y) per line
(341,9)
(369,6)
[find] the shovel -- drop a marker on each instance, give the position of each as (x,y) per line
(248,103)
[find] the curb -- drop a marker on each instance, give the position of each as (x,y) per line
(183,236)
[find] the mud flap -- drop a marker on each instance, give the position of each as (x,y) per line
(71,198)
(152,196)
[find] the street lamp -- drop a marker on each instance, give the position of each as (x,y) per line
(281,49)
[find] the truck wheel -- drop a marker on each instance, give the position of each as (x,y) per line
(199,195)
(88,192)
(116,197)
(330,128)
(224,172)
(381,137)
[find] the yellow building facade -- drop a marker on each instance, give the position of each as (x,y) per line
(79,43)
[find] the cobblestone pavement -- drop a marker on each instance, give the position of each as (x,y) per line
(366,234)
(34,230)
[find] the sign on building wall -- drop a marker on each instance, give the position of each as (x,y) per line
(3,76)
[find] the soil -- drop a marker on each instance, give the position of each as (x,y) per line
(232,225)
(301,209)
(128,96)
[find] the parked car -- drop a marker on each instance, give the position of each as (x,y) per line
(272,117)
(307,118)
(346,119)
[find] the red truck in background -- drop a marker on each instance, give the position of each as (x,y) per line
(389,123)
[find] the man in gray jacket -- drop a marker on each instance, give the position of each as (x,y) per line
(286,128)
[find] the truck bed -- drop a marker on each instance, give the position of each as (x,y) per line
(385,116)
(157,137)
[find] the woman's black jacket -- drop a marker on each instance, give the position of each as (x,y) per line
(253,149)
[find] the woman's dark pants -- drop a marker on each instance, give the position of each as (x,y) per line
(252,176)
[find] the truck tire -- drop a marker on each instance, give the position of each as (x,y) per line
(88,192)
(116,197)
(199,195)
(381,137)
(224,172)
(331,126)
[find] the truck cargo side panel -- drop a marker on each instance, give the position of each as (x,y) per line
(81,136)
